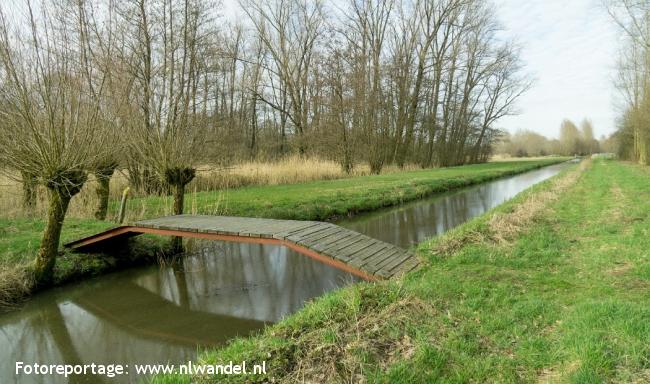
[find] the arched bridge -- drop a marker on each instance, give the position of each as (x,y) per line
(363,256)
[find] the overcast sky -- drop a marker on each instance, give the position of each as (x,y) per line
(570,48)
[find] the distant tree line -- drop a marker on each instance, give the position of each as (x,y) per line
(375,81)
(160,86)
(573,141)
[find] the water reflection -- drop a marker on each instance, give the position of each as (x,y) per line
(158,315)
(415,222)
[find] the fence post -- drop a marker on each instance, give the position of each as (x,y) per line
(125,194)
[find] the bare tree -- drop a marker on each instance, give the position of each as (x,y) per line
(375,81)
(502,86)
(164,41)
(634,80)
(53,120)
(289,30)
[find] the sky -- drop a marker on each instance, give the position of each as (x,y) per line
(570,48)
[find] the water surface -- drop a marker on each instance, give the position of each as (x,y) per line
(162,314)
(414,222)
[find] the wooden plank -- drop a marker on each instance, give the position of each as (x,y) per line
(283,235)
(257,229)
(270,230)
(366,253)
(351,250)
(396,252)
(400,262)
(375,262)
(354,239)
(395,262)
(297,236)
(286,225)
(382,274)
(409,265)
(331,240)
(318,237)
(334,248)
(371,252)
(359,258)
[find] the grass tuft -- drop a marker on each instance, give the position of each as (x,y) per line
(15,284)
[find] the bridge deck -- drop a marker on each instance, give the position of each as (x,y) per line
(343,248)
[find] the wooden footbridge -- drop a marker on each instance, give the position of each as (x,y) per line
(342,248)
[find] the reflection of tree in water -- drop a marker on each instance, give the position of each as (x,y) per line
(181,284)
(257,281)
(43,337)
(54,321)
(145,314)
(226,289)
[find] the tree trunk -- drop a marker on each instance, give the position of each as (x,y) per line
(29,192)
(177,178)
(46,257)
(103,177)
(179,198)
(61,187)
(102,191)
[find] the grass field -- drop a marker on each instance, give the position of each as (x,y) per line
(552,286)
(288,170)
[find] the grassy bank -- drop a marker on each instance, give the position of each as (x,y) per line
(313,200)
(328,199)
(316,200)
(16,279)
(549,287)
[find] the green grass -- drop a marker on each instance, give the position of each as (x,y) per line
(328,199)
(567,299)
(19,238)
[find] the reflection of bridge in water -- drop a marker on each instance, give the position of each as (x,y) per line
(188,327)
(163,314)
(342,248)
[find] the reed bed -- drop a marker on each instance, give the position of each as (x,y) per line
(290,170)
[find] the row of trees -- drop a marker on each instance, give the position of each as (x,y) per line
(158,86)
(633,81)
(87,87)
(572,141)
(380,81)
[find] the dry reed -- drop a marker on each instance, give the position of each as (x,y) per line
(290,170)
(14,284)
(503,227)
